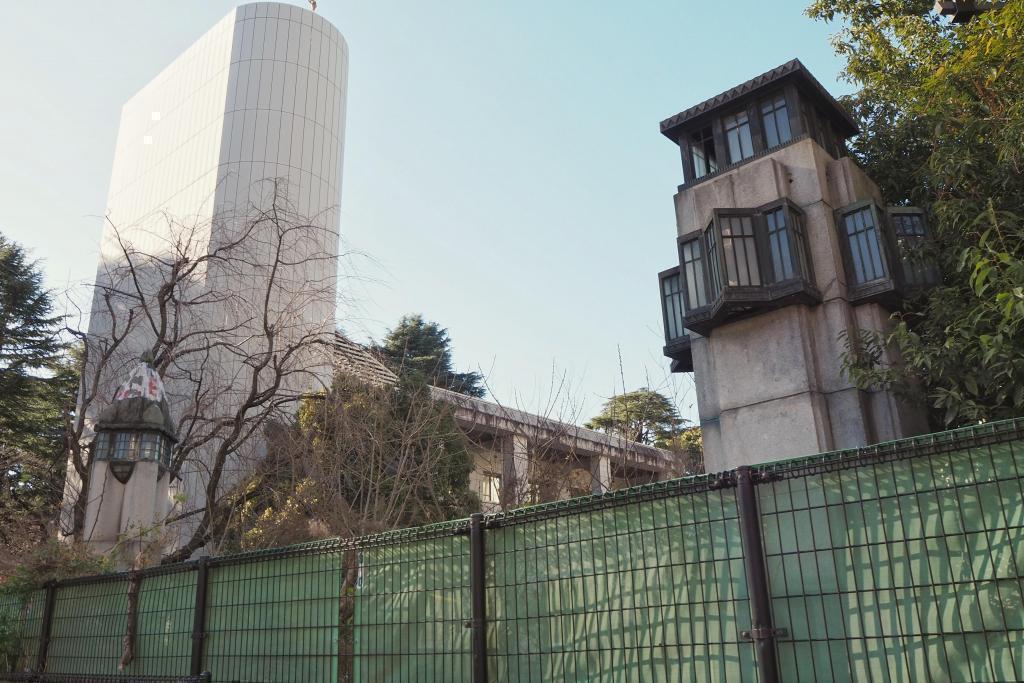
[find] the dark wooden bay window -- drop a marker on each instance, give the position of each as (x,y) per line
(746,260)
(884,253)
(673,310)
(912,240)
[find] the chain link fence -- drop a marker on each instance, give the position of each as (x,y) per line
(897,562)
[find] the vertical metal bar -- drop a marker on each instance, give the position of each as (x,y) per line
(479,601)
(761,632)
(199,618)
(46,628)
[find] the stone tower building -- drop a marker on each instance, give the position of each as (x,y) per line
(785,249)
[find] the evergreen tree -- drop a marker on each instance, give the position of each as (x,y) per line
(38,384)
(422,349)
(28,329)
(644,415)
(941,111)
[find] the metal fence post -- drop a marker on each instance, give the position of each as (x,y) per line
(761,632)
(479,599)
(46,628)
(199,619)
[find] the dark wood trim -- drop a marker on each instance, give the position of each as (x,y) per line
(790,72)
(757,137)
(796,127)
(721,148)
(685,149)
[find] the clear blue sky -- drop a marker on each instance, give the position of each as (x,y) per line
(504,174)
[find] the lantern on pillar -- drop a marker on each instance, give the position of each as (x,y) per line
(137,426)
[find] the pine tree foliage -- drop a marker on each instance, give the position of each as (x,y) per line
(422,349)
(28,328)
(38,385)
(643,415)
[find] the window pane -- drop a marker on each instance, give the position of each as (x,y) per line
(101,446)
(807,118)
(800,240)
(824,135)
(490,488)
(865,248)
(714,273)
(771,131)
(782,118)
(693,270)
(125,445)
(672,304)
(740,251)
(150,447)
(702,147)
(737,134)
(778,243)
(776,121)
(910,241)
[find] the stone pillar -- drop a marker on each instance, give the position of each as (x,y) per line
(116,511)
(600,474)
(105,497)
(515,467)
(145,504)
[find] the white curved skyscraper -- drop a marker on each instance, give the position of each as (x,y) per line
(255,106)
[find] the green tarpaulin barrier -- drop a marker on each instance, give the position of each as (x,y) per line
(898,562)
(412,603)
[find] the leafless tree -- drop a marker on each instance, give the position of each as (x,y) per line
(237,313)
(362,458)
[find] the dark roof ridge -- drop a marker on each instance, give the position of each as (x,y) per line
(791,67)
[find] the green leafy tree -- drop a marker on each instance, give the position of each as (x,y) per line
(422,349)
(689,446)
(644,415)
(941,110)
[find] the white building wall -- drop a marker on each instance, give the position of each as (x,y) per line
(260,96)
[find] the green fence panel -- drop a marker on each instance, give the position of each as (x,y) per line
(21,619)
(87,634)
(898,562)
(643,591)
(900,569)
(164,625)
(274,619)
(412,602)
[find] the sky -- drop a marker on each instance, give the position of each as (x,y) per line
(503,174)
